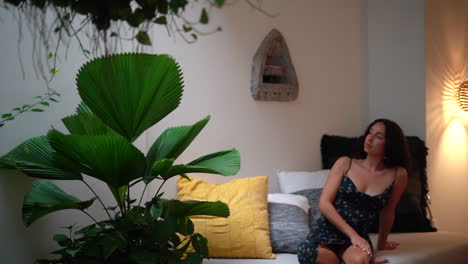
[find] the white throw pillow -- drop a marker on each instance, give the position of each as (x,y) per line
(293,181)
(291,199)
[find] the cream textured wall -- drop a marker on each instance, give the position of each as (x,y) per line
(396,63)
(447,126)
(327,41)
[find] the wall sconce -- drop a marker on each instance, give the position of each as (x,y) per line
(462,96)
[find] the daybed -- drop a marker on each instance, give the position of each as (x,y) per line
(289,219)
(416,248)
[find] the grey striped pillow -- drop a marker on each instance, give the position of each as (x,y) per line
(288,221)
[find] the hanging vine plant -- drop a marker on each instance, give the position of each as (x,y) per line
(105,24)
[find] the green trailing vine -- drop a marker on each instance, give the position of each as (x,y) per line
(55,24)
(38,106)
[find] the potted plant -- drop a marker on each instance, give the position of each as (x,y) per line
(123,95)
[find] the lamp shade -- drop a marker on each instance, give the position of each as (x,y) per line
(462,96)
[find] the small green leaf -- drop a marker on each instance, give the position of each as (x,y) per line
(37,110)
(10,118)
(53,100)
(16,109)
(25,106)
(186,226)
(162,20)
(38,97)
(160,167)
(72,252)
(114,34)
(143,38)
(204,17)
(220,3)
(187,28)
(156,211)
(185,176)
(45,103)
(200,244)
(6,115)
(50,56)
(60,237)
(194,36)
(54,70)
(86,52)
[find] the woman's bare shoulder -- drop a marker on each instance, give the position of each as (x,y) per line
(341,163)
(401,175)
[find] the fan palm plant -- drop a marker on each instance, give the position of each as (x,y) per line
(122,96)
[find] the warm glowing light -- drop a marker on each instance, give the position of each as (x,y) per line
(462,96)
(454,143)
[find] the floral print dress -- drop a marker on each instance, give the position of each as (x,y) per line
(358,209)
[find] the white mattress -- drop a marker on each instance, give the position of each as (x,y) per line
(432,248)
(415,248)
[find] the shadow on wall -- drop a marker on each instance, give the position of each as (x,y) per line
(13,186)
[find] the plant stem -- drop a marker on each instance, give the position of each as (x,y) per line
(157,192)
(136,182)
(142,193)
(48,95)
(90,216)
(99,199)
(128,198)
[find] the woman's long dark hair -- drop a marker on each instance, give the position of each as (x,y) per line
(396,146)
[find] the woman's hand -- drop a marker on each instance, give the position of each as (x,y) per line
(380,261)
(360,242)
(389,245)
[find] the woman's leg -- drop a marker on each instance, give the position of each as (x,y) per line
(311,253)
(355,255)
(326,256)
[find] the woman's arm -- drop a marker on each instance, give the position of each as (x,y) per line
(387,215)
(328,209)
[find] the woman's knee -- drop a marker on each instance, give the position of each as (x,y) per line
(358,258)
(326,256)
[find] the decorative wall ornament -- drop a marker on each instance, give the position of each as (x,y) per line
(462,96)
(273,74)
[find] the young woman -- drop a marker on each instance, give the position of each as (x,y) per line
(357,191)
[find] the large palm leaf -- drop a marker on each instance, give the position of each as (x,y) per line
(223,162)
(131,92)
(44,198)
(35,158)
(189,208)
(173,141)
(86,124)
(110,158)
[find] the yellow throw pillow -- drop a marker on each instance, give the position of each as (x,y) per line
(246,232)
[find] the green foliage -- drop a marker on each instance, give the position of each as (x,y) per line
(44,100)
(122,95)
(107,13)
(44,198)
(132,102)
(143,38)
